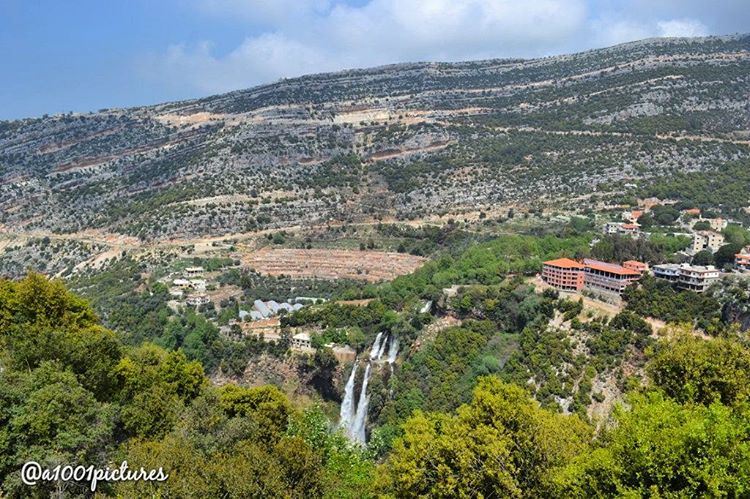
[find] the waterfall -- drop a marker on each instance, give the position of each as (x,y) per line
(381,350)
(393,350)
(360,418)
(376,347)
(347,405)
(354,419)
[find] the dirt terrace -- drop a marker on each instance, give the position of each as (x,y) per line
(372,266)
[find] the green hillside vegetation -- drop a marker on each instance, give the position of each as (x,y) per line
(72,392)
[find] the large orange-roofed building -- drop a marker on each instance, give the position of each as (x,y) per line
(608,277)
(563,273)
(570,275)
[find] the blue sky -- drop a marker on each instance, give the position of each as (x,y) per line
(82,55)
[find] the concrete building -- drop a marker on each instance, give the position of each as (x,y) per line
(569,275)
(194,271)
(697,278)
(668,271)
(717,224)
(564,274)
(301,341)
(707,240)
(198,299)
(622,228)
(612,227)
(607,277)
(632,216)
(630,229)
(691,277)
(198,284)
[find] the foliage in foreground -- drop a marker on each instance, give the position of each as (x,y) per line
(70,392)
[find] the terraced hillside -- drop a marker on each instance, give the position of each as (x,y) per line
(373,266)
(410,141)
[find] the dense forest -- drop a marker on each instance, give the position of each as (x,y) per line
(73,392)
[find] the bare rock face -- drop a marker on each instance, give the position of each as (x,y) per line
(409,140)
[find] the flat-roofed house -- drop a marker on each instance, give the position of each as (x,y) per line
(301,341)
(198,299)
(630,228)
(607,277)
(563,273)
(697,278)
(194,271)
(716,224)
(668,271)
(181,283)
(691,277)
(622,228)
(707,240)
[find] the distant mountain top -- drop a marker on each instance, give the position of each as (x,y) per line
(415,140)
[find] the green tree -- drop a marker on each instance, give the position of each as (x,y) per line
(265,405)
(660,448)
(502,444)
(54,421)
(702,225)
(703,257)
(691,369)
(725,255)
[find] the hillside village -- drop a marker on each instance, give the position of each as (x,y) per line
(239,313)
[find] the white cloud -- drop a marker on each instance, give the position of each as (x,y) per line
(260,59)
(289,38)
(321,35)
(682,27)
(450,29)
(613,31)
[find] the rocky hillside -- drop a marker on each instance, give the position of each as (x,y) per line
(409,140)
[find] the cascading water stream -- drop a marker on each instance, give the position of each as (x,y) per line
(393,350)
(376,346)
(360,418)
(381,350)
(347,405)
(353,419)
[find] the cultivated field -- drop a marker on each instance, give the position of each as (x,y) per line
(370,266)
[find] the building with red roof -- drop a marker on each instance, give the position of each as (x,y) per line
(570,275)
(607,277)
(639,267)
(742,261)
(563,273)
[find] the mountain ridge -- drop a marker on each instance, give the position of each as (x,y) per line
(410,140)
